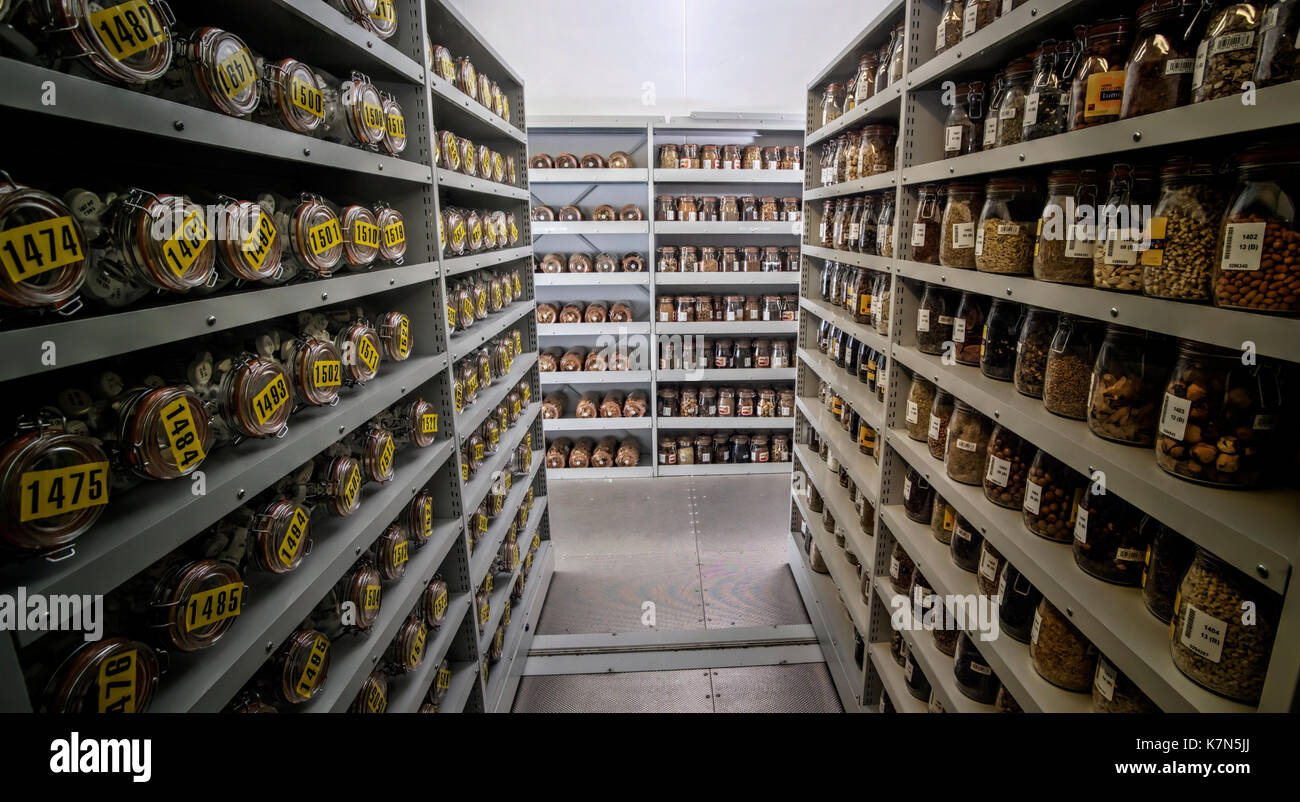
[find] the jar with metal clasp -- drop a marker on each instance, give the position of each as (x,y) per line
(128,43)
(292,96)
(335,481)
(392,233)
(252,394)
(394,329)
(162,433)
(383,20)
(433,602)
(313,231)
(297,671)
(278,535)
(315,369)
(42,248)
(361,588)
(159,242)
(358,11)
(418,518)
(112,675)
(373,696)
(393,142)
(375,448)
(361,237)
(54,485)
(414,421)
(249,247)
(406,652)
(188,604)
(354,112)
(212,68)
(391,552)
(359,344)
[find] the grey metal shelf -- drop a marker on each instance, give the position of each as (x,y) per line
(699,176)
(468,419)
(1273,335)
(85,100)
(480,186)
(779,229)
(848,387)
(870,260)
(591,329)
(1111,616)
(473,118)
(859,331)
(1246,529)
(738,327)
(504,677)
(842,573)
(501,588)
(85,339)
(891,676)
(463,342)
(596,424)
(728,375)
(480,561)
(846,514)
(878,108)
(603,175)
(756,279)
(677,423)
(455,265)
(643,471)
(205,682)
(161,516)
(822,600)
(845,62)
(591,227)
(869,184)
(407,693)
(554,377)
(591,279)
(474,491)
(863,470)
(464,678)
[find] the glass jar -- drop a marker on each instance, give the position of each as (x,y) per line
(968,442)
(949,29)
(975,679)
(668,156)
(1167,559)
(703,308)
(1279,55)
(961,212)
(726,402)
(967,542)
(989,575)
(155,242)
(964,128)
(1113,692)
(667,450)
(937,427)
(1032,348)
(1008,466)
(1183,233)
(1001,336)
(1067,235)
(1018,602)
(740,453)
(977,15)
(1218,417)
(920,398)
(1109,540)
(1069,367)
(1052,493)
(1097,89)
(1226,56)
(866,242)
(942,520)
(1047,104)
(687,212)
(1010,105)
(667,402)
(685,450)
(901,568)
(968,327)
(885,228)
(1004,240)
(1158,75)
(896,54)
(1258,266)
(1060,652)
(926,229)
(1124,397)
(876,150)
(666,208)
(751,156)
(1211,643)
(212,69)
(746,405)
(708,402)
(934,319)
(708,209)
(1116,261)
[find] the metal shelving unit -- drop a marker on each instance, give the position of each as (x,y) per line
(154,519)
(1251,530)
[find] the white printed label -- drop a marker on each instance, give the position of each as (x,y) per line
(1203,634)
(1002,589)
(1033,497)
(966,445)
(1079,242)
(1119,248)
(1081,524)
(893,567)
(999,472)
(1106,678)
(959,330)
(1229,42)
(907,671)
(1173,416)
(969,19)
(990,130)
(1198,71)
(912,412)
(1180,66)
(936,426)
(980,668)
(939,38)
(854,230)
(979,242)
(945,320)
(963,235)
(952,138)
(936,704)
(1243,244)
(1006,7)
(1125,555)
(961,532)
(918,235)
(1031,108)
(988,565)
(1007,112)
(923,320)
(1008,229)
(1033,631)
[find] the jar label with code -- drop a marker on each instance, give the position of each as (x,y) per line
(980,668)
(1126,555)
(1002,589)
(959,330)
(1079,242)
(936,426)
(1228,42)
(1243,244)
(990,130)
(923,320)
(1104,95)
(907,671)
(1120,248)
(1105,681)
(1180,66)
(35,248)
(967,445)
(1173,416)
(969,19)
(913,411)
(939,38)
(1031,108)
(1006,7)
(918,235)
(979,242)
(1081,525)
(893,567)
(1008,229)
(999,472)
(1198,70)
(988,565)
(1033,497)
(855,229)
(1203,634)
(907,494)
(961,532)
(963,235)
(1007,112)
(952,138)
(1038,624)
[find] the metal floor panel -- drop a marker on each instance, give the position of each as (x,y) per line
(742,513)
(626,516)
(803,688)
(641,692)
(749,589)
(605,594)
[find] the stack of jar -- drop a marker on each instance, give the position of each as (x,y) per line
(587,452)
(480,294)
(618,160)
(461,73)
(850,419)
(859,360)
(743,353)
(480,368)
(709,401)
(859,154)
(584,263)
(877,70)
(726,308)
(723,447)
(690,156)
(727,259)
(460,155)
(584,312)
(601,214)
(862,224)
(465,231)
(726,209)
(863,294)
(866,512)
(580,358)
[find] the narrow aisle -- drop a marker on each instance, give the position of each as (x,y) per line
(686,571)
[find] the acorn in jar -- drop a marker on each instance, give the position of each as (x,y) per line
(1009,458)
(1052,494)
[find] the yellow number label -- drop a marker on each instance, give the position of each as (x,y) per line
(327,374)
(505,616)
(428,424)
(315,664)
(458,235)
(272,397)
(375,700)
(182,436)
(368,354)
(471,384)
(62,490)
(293,537)
(235,72)
(440,605)
(444,679)
(211,606)
(372,597)
(324,236)
(428,520)
(364,233)
(353,485)
(186,244)
(478,451)
(386,457)
(307,97)
(515,408)
(464,472)
(257,246)
(35,248)
(527,392)
(481,523)
(127,28)
(404,337)
(117,684)
(400,553)
(484,613)
(537,541)
(372,115)
(396,125)
(417,648)
(384,11)
(394,233)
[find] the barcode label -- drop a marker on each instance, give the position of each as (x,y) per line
(1031,108)
(1229,42)
(1203,634)
(1243,244)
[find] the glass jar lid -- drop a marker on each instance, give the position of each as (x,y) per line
(316,368)
(377,451)
(392,552)
(422,418)
(433,602)
(255,397)
(297,94)
(54,486)
(317,235)
(164,433)
(46,263)
(114,675)
(392,233)
(362,588)
(222,66)
(383,19)
(249,245)
(197,602)
(281,534)
(303,663)
(361,236)
(360,346)
(127,43)
(342,485)
(165,241)
(373,696)
(408,646)
(364,110)
(419,518)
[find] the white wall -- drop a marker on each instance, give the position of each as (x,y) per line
(600,56)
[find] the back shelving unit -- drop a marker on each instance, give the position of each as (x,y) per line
(1251,530)
(205,151)
(641,184)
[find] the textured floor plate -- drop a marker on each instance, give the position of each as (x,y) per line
(749,589)
(606,594)
(623,517)
(742,513)
(641,692)
(804,688)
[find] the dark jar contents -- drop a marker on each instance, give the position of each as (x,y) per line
(1032,348)
(937,429)
(926,230)
(1001,336)
(1047,106)
(1017,602)
(1113,692)
(974,677)
(1128,379)
(968,328)
(1158,75)
(918,496)
(934,318)
(1279,44)
(1097,93)
(1008,466)
(900,570)
(1167,559)
(966,545)
(1052,493)
(1109,541)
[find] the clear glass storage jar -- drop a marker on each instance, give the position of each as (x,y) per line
(1059,651)
(1010,105)
(1258,264)
(1009,458)
(1183,233)
(1167,559)
(1052,493)
(1036,333)
(1225,57)
(1000,338)
(1066,232)
(968,327)
(961,213)
(968,443)
(1004,238)
(1097,90)
(1069,367)
(1047,102)
(1121,221)
(1158,74)
(1110,542)
(1131,370)
(934,317)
